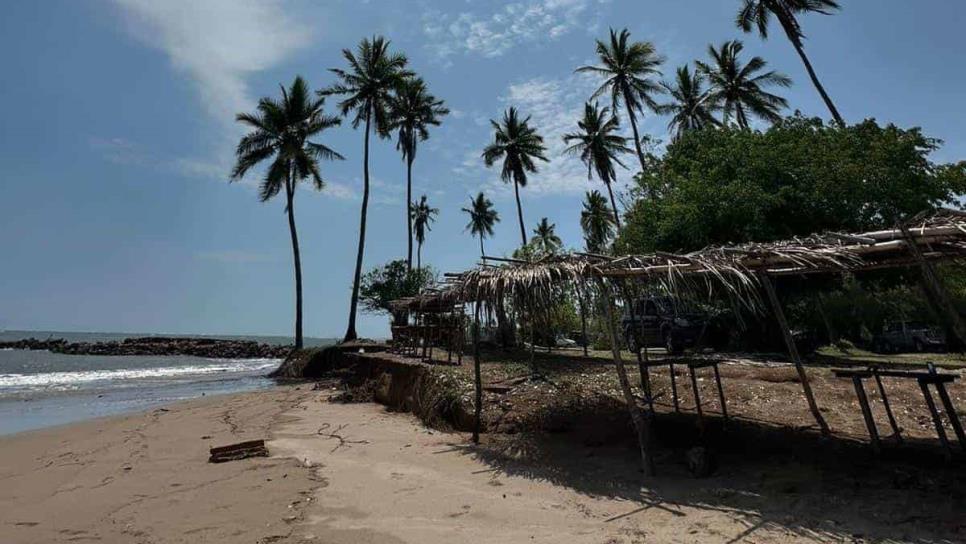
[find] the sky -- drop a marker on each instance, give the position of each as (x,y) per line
(118,130)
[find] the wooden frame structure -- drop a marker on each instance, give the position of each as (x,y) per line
(742,274)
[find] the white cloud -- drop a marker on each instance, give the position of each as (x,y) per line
(492,35)
(217,44)
(554,105)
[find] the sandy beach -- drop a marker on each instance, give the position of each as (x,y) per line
(351,473)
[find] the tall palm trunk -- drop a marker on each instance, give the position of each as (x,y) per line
(290,208)
(523,230)
(793,36)
(613,205)
(637,138)
(419,256)
(482,253)
(409,216)
(350,333)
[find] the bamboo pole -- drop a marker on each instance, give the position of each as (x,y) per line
(938,295)
(793,352)
(477,376)
(641,423)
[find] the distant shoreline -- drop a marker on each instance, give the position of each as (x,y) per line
(157,345)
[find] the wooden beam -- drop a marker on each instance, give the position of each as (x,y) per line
(793,352)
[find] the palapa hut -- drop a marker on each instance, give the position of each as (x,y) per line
(741,274)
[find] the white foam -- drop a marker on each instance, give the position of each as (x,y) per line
(70,380)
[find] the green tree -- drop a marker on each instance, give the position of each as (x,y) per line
(368,85)
(413,110)
(482,218)
(422,216)
(599,144)
(392,281)
(518,144)
(596,222)
(756,15)
(545,239)
(799,177)
(740,88)
(628,69)
(280,133)
(691,108)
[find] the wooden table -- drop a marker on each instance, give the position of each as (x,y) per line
(925,379)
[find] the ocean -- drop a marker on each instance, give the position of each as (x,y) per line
(41,389)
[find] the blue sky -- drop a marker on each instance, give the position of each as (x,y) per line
(117,137)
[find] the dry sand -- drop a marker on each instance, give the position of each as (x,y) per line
(379,477)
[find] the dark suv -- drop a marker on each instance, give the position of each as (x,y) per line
(908,336)
(662,321)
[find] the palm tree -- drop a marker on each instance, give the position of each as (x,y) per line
(756,14)
(598,144)
(374,74)
(482,218)
(735,87)
(691,108)
(628,69)
(422,217)
(413,110)
(545,240)
(596,222)
(280,133)
(518,144)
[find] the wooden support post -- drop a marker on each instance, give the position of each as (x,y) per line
(867,413)
(583,318)
(951,414)
(477,376)
(888,408)
(721,395)
(641,423)
(674,388)
(937,295)
(793,351)
(697,395)
(940,431)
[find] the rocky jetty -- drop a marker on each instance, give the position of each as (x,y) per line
(157,345)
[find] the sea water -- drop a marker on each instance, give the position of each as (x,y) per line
(40,389)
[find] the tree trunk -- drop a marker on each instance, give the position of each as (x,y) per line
(793,351)
(290,194)
(742,118)
(477,377)
(350,333)
(482,253)
(637,138)
(409,216)
(640,424)
(419,255)
(523,230)
(797,43)
(613,205)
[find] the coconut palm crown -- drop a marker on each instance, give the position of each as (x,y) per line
(423,216)
(690,108)
(629,70)
(280,133)
(519,145)
(413,110)
(367,86)
(545,239)
(599,145)
(596,222)
(739,89)
(482,218)
(757,14)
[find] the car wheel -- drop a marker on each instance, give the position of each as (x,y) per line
(669,344)
(918,345)
(631,340)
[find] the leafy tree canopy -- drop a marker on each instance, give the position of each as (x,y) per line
(800,176)
(390,282)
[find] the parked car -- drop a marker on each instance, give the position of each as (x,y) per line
(561,341)
(662,322)
(909,336)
